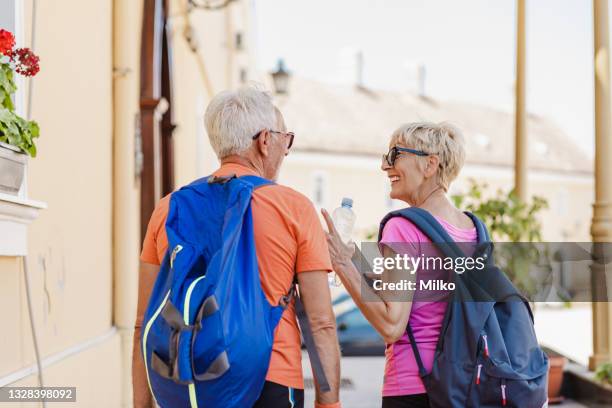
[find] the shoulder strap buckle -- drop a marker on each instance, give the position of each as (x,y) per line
(220,179)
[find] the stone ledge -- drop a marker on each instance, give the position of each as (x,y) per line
(15,215)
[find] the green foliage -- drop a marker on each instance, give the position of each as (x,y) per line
(604,373)
(14,129)
(510,219)
(7,86)
(18,132)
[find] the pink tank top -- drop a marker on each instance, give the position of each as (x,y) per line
(401,370)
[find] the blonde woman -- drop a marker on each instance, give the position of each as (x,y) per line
(422,162)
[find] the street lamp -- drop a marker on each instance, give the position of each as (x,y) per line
(281,78)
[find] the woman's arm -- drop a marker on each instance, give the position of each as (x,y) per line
(387,315)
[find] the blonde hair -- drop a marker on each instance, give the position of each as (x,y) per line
(442,139)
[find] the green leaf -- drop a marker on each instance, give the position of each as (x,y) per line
(18,131)
(34,129)
(7,87)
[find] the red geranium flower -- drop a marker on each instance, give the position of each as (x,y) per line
(7,42)
(26,62)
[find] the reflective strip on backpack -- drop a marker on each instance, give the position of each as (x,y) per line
(192,394)
(188,299)
(144,340)
(175,251)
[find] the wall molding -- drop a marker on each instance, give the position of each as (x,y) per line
(58,357)
(16,214)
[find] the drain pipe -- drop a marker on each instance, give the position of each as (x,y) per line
(125,201)
(24,259)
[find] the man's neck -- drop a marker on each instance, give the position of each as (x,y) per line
(243,161)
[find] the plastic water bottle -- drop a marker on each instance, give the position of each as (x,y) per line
(344,221)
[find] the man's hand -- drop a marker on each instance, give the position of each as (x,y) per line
(314,292)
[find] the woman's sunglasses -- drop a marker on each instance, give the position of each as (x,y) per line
(395,151)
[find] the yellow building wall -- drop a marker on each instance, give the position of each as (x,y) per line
(70,244)
(94,373)
(215,35)
(83,249)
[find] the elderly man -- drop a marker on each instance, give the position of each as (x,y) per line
(248,134)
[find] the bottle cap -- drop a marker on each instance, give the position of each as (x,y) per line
(347,202)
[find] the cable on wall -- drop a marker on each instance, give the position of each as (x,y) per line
(26,276)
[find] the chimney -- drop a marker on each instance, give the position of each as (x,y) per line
(350,67)
(359,69)
(421,80)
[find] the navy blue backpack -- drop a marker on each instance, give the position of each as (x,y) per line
(487,354)
(208,329)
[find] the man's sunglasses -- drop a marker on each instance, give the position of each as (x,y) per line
(395,151)
(290,134)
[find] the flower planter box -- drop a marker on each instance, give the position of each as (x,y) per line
(12,169)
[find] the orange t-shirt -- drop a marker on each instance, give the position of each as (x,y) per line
(288,237)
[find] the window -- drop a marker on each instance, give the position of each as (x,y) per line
(244,75)
(561,202)
(388,200)
(319,193)
(11,18)
(390,203)
(8,14)
(239,42)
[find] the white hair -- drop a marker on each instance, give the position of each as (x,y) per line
(234,117)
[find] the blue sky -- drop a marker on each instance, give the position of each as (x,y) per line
(467,46)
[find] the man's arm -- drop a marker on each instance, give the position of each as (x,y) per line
(146,280)
(314,292)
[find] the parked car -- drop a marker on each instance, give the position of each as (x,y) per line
(356,336)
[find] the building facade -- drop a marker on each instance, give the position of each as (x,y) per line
(90,100)
(343,130)
(120,100)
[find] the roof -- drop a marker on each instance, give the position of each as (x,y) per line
(347,119)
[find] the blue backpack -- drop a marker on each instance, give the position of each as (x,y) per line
(487,354)
(208,329)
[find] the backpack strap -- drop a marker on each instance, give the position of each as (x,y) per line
(481,229)
(313,353)
(429,226)
(415,351)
